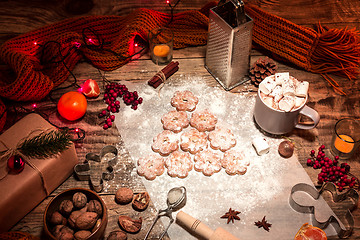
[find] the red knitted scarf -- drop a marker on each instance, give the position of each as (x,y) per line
(323,51)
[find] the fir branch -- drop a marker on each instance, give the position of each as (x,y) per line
(46,144)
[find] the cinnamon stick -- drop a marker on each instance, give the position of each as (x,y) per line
(167,71)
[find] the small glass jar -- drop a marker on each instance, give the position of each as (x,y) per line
(346,138)
(161,45)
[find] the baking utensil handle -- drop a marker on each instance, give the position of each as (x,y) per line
(195,225)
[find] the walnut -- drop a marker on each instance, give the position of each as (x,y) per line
(79,199)
(62,232)
(141,201)
(130,225)
(124,195)
(86,220)
(66,207)
(82,234)
(72,218)
(95,206)
(117,235)
(57,219)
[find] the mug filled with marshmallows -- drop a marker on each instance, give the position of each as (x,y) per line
(280,101)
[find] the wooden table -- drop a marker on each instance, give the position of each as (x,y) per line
(17,17)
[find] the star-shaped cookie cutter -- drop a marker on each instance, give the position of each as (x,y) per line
(87,171)
(343,228)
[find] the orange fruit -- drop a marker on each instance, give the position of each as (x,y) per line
(161,50)
(309,232)
(72,105)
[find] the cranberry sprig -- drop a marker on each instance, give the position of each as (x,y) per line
(112,92)
(331,171)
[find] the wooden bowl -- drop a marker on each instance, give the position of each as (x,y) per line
(54,204)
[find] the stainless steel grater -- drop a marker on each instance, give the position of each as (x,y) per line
(229,44)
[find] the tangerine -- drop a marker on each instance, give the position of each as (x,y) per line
(72,105)
(309,232)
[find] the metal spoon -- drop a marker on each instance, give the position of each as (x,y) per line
(176,199)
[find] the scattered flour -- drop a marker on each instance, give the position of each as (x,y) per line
(263,190)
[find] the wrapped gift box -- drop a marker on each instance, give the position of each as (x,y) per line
(21,192)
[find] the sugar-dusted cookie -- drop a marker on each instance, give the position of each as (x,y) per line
(179,164)
(207,162)
(151,166)
(175,121)
(203,120)
(184,101)
(234,162)
(193,141)
(165,142)
(222,138)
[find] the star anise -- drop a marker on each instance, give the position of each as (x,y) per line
(263,224)
(231,215)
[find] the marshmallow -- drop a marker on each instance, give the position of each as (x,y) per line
(299,101)
(277,93)
(261,146)
(288,87)
(281,77)
(287,103)
(267,85)
(302,89)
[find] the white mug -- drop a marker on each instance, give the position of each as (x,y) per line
(280,122)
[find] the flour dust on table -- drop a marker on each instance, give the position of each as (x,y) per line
(263,190)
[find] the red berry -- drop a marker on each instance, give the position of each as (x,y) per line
(105,126)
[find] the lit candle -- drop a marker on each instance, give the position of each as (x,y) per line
(344,143)
(161,50)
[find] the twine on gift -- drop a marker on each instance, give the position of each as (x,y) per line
(15,151)
(11,152)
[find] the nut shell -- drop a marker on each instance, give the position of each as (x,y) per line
(86,220)
(63,232)
(95,206)
(57,219)
(66,207)
(129,224)
(82,234)
(79,199)
(141,201)
(72,218)
(286,149)
(124,195)
(117,235)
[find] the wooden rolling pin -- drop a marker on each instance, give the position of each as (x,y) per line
(202,230)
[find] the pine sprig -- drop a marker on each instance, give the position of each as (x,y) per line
(46,144)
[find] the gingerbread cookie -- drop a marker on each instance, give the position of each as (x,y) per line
(175,121)
(165,142)
(207,162)
(179,164)
(234,162)
(151,166)
(193,141)
(203,120)
(222,138)
(184,101)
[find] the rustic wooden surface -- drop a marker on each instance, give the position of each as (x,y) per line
(17,17)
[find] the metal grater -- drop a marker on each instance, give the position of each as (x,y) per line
(229,44)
